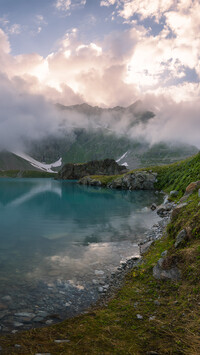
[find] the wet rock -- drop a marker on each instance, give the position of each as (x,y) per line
(174,193)
(153,207)
(165,274)
(181,238)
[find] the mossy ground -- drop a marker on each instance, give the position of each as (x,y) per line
(170,310)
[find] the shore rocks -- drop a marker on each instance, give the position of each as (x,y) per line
(87,180)
(94,167)
(140,180)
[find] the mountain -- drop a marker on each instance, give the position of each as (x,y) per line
(98,133)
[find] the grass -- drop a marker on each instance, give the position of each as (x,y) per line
(26,174)
(176,176)
(170,310)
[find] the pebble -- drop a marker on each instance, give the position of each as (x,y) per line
(100,289)
(61,341)
(49,322)
(17,346)
(25,315)
(6,298)
(99,272)
(139,316)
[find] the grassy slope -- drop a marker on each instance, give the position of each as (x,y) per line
(26,174)
(115,329)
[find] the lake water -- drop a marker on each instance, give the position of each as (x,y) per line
(58,241)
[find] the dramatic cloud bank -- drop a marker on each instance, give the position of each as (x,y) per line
(159,65)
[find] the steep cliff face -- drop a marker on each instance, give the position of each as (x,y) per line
(96,167)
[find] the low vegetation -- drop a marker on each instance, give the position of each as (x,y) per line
(26,174)
(146,315)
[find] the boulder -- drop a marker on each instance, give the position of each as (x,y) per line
(192,187)
(87,180)
(163,210)
(181,238)
(95,167)
(174,193)
(153,207)
(139,180)
(166,274)
(178,209)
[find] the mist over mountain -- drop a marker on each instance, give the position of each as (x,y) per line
(83,132)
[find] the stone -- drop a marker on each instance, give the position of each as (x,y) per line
(162,211)
(181,238)
(153,207)
(17,324)
(7,299)
(94,167)
(139,180)
(100,289)
(164,253)
(139,316)
(61,341)
(99,272)
(178,209)
(49,322)
(162,274)
(174,193)
(25,315)
(192,187)
(17,346)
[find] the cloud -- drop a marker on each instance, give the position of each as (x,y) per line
(68,5)
(23,115)
(107,2)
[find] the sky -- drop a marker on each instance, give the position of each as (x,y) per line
(102,52)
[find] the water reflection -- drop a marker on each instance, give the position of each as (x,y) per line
(56,231)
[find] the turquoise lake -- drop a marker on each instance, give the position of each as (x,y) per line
(58,240)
